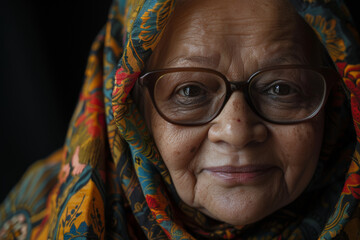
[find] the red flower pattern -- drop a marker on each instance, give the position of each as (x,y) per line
(152,203)
(126,81)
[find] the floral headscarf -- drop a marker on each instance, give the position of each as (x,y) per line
(109,181)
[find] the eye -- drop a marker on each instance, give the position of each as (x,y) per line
(190,94)
(281,89)
(191,91)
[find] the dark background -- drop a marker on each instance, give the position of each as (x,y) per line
(43,53)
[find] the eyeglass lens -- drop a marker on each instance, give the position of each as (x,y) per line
(278,95)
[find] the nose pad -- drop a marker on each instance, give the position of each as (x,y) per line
(237,125)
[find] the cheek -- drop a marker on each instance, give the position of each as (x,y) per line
(299,148)
(177,146)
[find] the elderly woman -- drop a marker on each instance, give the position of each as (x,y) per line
(206,119)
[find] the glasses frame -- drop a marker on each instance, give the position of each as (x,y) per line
(149,79)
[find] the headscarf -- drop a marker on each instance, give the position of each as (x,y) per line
(109,181)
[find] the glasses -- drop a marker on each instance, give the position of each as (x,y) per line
(283,94)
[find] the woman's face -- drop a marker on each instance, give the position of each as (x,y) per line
(238,168)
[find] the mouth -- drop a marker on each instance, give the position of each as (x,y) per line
(245,175)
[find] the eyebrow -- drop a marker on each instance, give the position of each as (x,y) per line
(206,61)
(288,59)
(214,60)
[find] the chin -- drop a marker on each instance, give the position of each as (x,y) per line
(243,206)
(239,217)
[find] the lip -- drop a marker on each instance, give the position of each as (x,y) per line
(249,174)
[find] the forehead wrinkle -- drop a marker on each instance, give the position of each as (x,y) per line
(243,20)
(243,33)
(195,34)
(195,60)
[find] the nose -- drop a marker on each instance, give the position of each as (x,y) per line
(237,125)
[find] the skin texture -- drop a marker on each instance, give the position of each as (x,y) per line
(236,38)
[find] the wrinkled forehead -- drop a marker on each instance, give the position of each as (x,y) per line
(232,25)
(212,14)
